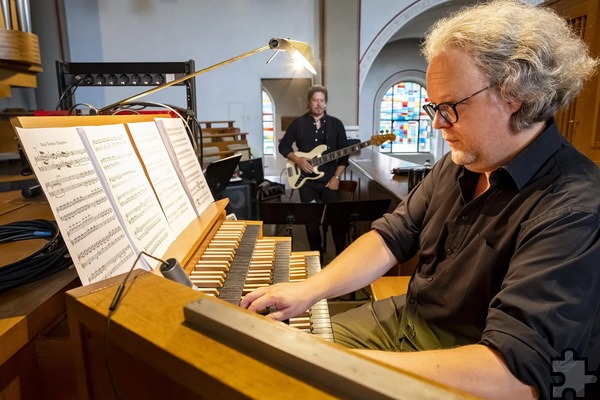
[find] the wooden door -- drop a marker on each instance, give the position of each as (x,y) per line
(580,122)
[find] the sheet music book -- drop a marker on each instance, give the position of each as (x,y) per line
(127,187)
(113,195)
(161,171)
(93,234)
(186,162)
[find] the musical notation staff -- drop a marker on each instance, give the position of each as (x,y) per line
(161,171)
(188,165)
(79,202)
(126,182)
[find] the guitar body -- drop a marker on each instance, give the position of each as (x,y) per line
(296,177)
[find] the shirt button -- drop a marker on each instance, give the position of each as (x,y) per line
(465,217)
(449,251)
(429,279)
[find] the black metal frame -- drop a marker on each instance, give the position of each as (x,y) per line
(133,74)
(119,74)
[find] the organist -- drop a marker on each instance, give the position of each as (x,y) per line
(506,226)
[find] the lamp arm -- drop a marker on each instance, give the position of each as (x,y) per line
(182,79)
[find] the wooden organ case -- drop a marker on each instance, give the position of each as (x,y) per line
(168,341)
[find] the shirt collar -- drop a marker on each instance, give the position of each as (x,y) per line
(323,118)
(524,165)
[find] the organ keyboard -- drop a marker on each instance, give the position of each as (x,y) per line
(237,261)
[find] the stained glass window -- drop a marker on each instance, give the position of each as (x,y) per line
(267,121)
(403,115)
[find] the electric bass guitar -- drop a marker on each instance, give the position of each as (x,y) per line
(296,177)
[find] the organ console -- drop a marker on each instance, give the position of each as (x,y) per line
(167,340)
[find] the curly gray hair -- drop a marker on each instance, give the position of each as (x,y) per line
(530,53)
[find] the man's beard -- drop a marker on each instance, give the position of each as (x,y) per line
(461,157)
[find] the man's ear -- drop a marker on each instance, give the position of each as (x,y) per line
(514,106)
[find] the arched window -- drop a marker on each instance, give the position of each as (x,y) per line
(267,122)
(402,114)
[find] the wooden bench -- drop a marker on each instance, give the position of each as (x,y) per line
(216,137)
(209,124)
(223,141)
(395,281)
(388,286)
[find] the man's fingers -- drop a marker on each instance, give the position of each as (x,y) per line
(248,299)
(305,166)
(261,303)
(278,315)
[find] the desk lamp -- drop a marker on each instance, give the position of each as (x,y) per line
(300,51)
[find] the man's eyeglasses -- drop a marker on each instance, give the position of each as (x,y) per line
(448,110)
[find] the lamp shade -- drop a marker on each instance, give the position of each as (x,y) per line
(300,51)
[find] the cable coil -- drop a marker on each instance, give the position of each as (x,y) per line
(51,258)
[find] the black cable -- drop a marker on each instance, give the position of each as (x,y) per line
(92,110)
(291,192)
(184,114)
(114,305)
(70,90)
(51,258)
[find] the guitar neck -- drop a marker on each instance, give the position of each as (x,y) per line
(334,155)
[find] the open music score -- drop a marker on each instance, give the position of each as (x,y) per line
(112,199)
(127,187)
(82,210)
(161,171)
(187,165)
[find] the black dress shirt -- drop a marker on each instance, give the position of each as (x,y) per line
(516,269)
(304,133)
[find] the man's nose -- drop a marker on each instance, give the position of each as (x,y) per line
(439,122)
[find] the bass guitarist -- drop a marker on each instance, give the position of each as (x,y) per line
(314,128)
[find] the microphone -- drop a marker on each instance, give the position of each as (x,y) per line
(31,191)
(169,266)
(173,271)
